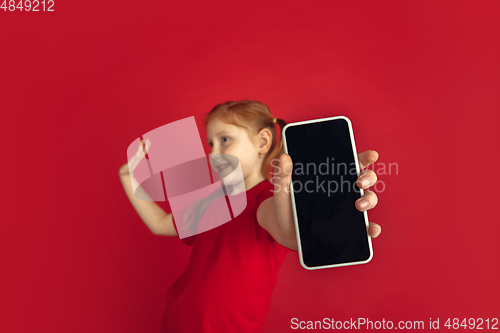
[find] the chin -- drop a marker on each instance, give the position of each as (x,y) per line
(231,178)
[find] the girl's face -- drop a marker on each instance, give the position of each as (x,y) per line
(227,140)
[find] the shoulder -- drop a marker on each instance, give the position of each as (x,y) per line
(263,191)
(265,215)
(263,202)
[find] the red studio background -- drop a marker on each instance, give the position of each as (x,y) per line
(418,79)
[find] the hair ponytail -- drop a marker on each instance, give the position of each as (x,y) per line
(276,150)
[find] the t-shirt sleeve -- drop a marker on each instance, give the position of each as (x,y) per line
(266,193)
(187,240)
(261,197)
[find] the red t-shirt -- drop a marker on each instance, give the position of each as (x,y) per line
(227,285)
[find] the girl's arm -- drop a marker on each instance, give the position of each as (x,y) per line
(155,218)
(266,216)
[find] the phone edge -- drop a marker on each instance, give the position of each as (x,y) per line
(292,196)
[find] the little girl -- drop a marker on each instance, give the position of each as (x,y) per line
(227,285)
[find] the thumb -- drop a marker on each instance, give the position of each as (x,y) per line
(282,174)
(283,205)
(374,229)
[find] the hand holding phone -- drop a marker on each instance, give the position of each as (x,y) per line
(332,228)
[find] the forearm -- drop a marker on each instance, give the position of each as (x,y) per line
(286,225)
(288,235)
(149,211)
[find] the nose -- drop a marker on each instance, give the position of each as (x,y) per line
(215,151)
(214,158)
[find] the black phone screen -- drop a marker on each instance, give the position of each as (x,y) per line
(332,230)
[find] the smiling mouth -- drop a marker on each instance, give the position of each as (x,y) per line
(222,167)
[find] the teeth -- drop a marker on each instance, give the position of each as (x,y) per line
(222,166)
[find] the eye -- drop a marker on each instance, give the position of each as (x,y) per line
(224,138)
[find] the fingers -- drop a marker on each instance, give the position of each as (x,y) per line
(143,148)
(374,230)
(140,149)
(366,158)
(367,201)
(148,144)
(139,155)
(284,166)
(366,179)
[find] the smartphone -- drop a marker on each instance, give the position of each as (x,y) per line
(331,231)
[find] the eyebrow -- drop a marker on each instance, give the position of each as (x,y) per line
(221,132)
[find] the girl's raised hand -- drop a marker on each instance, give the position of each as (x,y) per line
(283,204)
(139,155)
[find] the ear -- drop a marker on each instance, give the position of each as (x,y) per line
(264,140)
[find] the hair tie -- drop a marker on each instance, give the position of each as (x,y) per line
(274,120)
